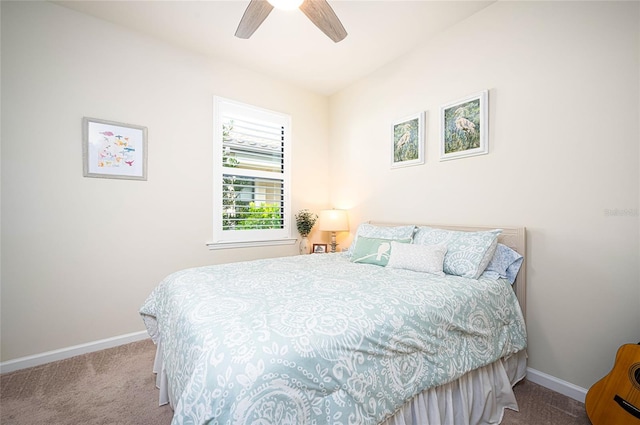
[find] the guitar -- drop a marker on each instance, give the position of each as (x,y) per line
(615,399)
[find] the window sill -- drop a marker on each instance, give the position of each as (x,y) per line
(249,244)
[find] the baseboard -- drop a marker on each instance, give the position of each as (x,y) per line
(558,385)
(65,353)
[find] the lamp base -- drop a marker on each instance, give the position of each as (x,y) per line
(333,244)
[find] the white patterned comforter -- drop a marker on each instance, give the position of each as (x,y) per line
(316,339)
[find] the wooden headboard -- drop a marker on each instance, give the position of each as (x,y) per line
(513,237)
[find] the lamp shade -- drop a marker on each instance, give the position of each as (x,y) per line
(333,221)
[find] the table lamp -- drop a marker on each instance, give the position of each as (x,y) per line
(333,221)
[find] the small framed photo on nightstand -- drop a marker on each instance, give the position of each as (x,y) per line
(319,248)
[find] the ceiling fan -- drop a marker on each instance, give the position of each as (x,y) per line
(318,11)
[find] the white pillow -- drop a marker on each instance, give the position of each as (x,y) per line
(419,258)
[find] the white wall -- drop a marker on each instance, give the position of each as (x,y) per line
(80,255)
(564,148)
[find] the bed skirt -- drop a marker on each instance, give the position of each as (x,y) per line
(478,397)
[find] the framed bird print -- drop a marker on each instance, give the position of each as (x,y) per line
(114,150)
(464,127)
(407,146)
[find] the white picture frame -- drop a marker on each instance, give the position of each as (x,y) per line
(407,141)
(464,127)
(113,150)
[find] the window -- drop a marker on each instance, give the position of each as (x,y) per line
(251,176)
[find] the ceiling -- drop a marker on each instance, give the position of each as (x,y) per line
(287,45)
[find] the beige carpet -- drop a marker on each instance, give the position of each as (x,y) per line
(116,386)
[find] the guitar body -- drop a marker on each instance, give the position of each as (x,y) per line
(615,399)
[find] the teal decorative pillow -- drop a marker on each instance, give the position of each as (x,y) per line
(468,253)
(373,250)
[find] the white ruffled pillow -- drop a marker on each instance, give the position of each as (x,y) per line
(419,258)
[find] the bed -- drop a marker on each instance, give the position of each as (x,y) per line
(325,339)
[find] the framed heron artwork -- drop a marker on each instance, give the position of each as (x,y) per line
(464,127)
(407,146)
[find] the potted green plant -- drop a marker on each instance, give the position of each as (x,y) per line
(305,220)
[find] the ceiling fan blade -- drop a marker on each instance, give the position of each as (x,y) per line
(254,15)
(323,16)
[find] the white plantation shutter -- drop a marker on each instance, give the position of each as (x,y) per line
(251,174)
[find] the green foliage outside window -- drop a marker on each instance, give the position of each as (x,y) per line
(238,214)
(265,216)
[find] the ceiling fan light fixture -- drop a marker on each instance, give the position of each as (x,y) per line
(318,11)
(286,4)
